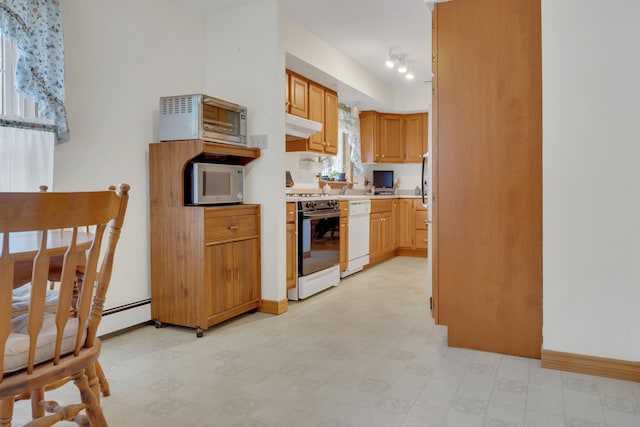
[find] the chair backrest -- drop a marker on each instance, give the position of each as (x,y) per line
(30,235)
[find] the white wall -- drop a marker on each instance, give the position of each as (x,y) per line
(413,99)
(120,57)
(407,173)
(245,64)
(591,147)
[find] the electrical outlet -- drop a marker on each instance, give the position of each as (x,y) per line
(260,141)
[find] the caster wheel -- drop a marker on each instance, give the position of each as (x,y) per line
(158,324)
(199,332)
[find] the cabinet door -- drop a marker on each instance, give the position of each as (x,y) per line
(316,113)
(369,136)
(344,243)
(422,239)
(246,269)
(374,237)
(220,278)
(291,255)
(395,224)
(391,144)
(406,226)
(414,137)
(386,233)
(298,101)
(330,122)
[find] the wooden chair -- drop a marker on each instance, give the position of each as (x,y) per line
(40,348)
(55,274)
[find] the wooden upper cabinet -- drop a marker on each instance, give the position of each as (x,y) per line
(393,138)
(297,95)
(369,137)
(391,143)
(316,113)
(321,106)
(330,127)
(415,137)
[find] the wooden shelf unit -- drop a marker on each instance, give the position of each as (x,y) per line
(193,248)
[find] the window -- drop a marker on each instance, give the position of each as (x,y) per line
(26,152)
(12,104)
(339,167)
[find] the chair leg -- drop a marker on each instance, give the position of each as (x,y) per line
(102,379)
(92,380)
(6,411)
(37,396)
(93,408)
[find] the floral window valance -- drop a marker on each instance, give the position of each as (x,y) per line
(35,26)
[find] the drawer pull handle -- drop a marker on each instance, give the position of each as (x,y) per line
(425,240)
(233,227)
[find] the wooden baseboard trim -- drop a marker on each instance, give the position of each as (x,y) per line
(274,307)
(416,253)
(600,366)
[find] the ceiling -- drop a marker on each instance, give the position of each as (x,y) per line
(366,30)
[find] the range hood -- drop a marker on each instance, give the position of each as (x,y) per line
(298,127)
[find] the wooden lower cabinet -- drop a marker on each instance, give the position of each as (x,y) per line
(422,227)
(374,238)
(405,229)
(381,231)
(292,244)
(208,269)
(231,279)
(397,227)
(386,234)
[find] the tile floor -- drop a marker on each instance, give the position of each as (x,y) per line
(364,354)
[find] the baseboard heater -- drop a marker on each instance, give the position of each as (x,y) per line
(129,306)
(125,316)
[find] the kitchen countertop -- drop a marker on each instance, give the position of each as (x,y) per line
(352,197)
(375,197)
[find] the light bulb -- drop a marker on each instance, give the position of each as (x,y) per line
(389,63)
(402,66)
(409,75)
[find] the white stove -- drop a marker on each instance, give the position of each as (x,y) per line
(318,243)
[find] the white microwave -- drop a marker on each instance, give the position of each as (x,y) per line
(213,183)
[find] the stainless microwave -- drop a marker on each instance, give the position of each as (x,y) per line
(213,183)
(202,117)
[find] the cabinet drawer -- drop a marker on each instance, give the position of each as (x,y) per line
(422,239)
(420,220)
(228,227)
(381,205)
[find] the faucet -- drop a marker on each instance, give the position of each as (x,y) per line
(344,188)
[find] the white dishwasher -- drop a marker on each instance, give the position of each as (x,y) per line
(358,247)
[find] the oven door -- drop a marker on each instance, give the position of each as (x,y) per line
(318,241)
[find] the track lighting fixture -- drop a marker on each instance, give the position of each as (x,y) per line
(400,61)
